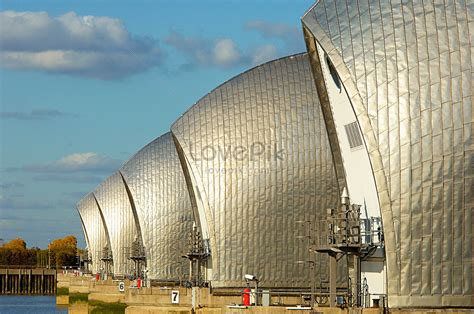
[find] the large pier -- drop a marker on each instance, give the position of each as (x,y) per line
(34,281)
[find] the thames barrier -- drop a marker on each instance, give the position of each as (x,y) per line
(341,177)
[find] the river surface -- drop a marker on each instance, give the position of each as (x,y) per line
(19,304)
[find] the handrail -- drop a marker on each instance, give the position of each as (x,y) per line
(35,267)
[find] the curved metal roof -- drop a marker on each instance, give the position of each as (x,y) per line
(114,205)
(94,230)
(408,69)
(257,157)
(156,182)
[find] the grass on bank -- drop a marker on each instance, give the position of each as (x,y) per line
(78,297)
(107,308)
(62,291)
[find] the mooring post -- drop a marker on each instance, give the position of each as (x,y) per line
(20,286)
(42,281)
(15,283)
(29,281)
(55,282)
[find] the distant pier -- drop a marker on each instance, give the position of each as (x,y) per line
(27,281)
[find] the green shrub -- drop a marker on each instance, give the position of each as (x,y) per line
(62,291)
(107,308)
(78,297)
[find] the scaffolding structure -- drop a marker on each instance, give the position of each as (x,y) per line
(85,260)
(137,255)
(107,259)
(341,234)
(197,256)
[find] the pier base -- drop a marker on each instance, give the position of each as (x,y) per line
(27,281)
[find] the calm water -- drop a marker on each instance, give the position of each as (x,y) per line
(29,304)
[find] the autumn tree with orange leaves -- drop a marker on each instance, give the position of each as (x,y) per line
(61,251)
(15,244)
(15,253)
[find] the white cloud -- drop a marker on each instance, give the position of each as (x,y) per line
(290,35)
(282,39)
(220,52)
(8,203)
(226,53)
(11,185)
(91,46)
(36,114)
(68,178)
(78,162)
(264,53)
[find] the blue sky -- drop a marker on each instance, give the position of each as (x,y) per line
(85,84)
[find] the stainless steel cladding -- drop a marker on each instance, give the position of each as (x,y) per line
(158,189)
(257,160)
(114,204)
(407,67)
(94,230)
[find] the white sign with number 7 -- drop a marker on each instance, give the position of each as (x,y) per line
(175,296)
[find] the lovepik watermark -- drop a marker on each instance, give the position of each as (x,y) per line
(253,152)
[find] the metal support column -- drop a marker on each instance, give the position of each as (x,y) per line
(356,285)
(332,280)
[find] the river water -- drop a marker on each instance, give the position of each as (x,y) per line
(18,304)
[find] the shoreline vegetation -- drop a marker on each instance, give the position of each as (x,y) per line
(60,252)
(78,297)
(97,307)
(81,300)
(62,291)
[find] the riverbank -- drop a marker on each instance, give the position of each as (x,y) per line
(83,294)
